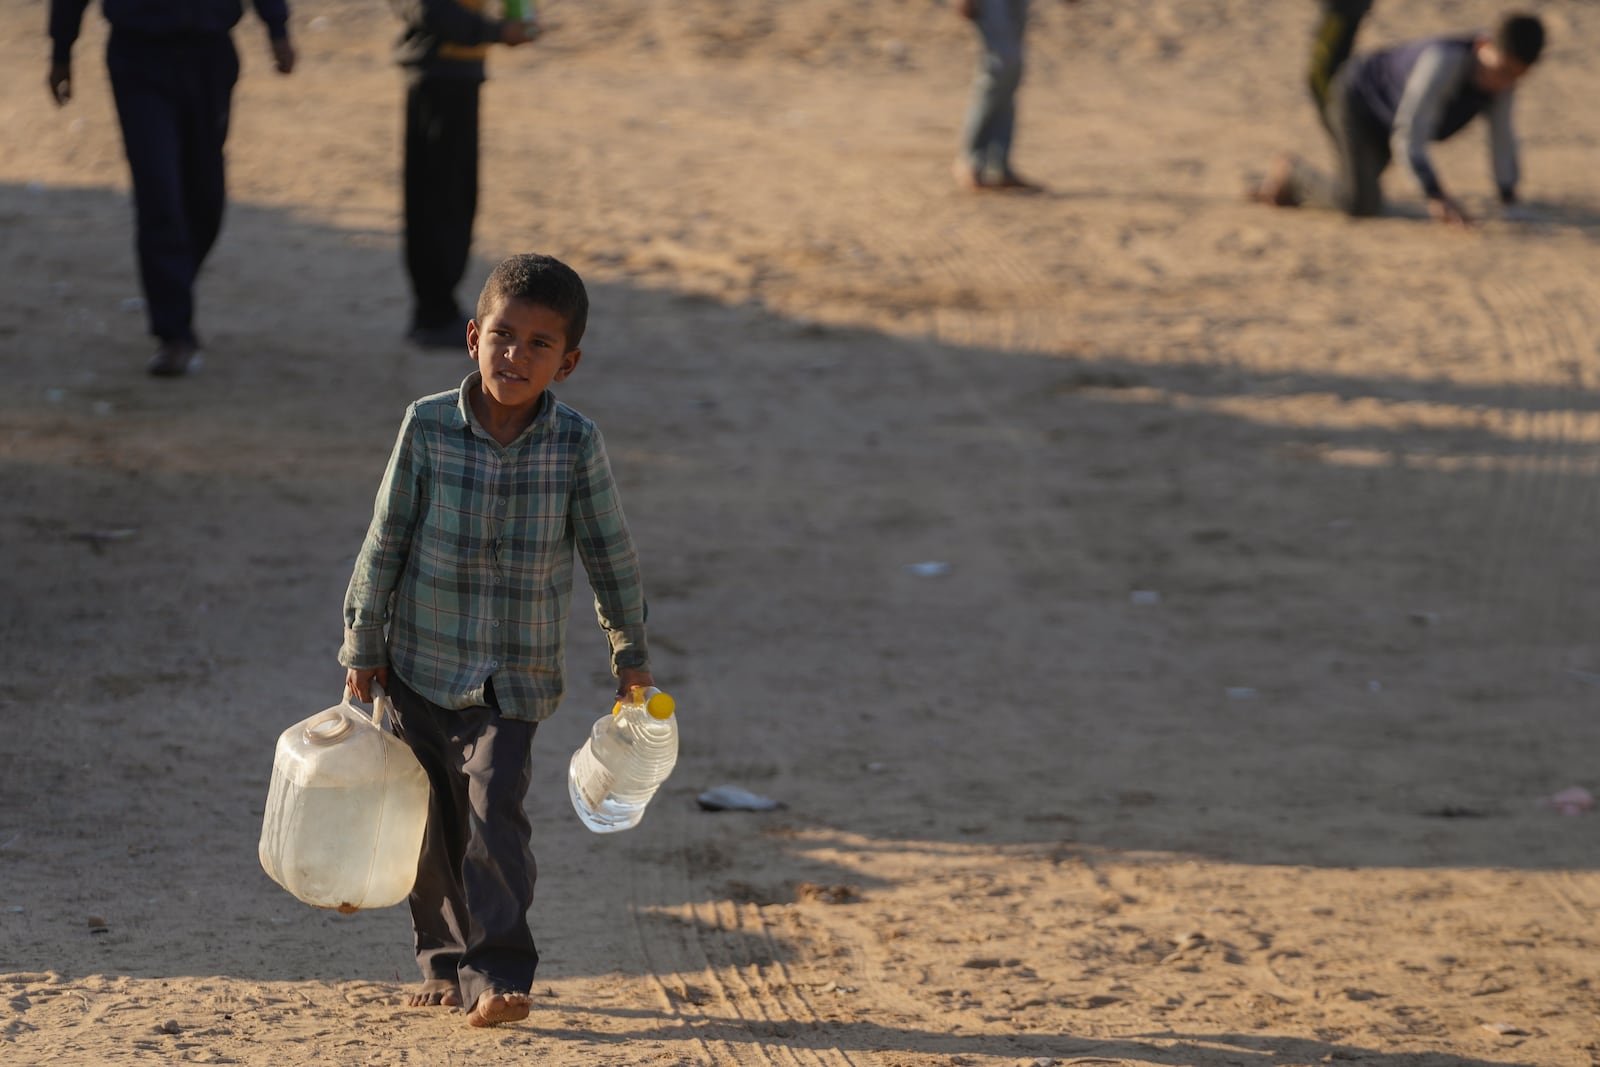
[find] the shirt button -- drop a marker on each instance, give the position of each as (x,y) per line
(502,501)
(493,664)
(497,579)
(496,624)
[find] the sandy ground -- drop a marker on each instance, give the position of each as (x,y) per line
(1266,617)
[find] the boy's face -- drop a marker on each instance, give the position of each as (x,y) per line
(1497,72)
(520,349)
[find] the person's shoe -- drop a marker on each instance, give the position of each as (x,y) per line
(1013,182)
(173,359)
(450,335)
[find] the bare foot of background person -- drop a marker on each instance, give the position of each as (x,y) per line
(436,993)
(966,177)
(495,1008)
(1276,188)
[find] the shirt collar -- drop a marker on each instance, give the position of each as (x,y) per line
(469,419)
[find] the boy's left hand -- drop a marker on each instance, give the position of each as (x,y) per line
(628,677)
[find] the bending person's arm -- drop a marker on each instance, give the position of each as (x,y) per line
(1503,148)
(1434,79)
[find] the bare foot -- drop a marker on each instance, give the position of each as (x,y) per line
(966,177)
(1277,187)
(436,993)
(496,1008)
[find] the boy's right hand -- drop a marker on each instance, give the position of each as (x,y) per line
(359,683)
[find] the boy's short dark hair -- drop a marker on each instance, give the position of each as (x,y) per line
(542,280)
(1520,37)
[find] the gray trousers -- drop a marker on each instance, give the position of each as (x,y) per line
(992,113)
(1361,147)
(475,876)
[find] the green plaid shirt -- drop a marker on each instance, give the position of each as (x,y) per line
(468,561)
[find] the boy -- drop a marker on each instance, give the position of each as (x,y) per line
(468,562)
(442,50)
(1395,101)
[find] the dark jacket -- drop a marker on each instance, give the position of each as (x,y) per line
(445,38)
(161,18)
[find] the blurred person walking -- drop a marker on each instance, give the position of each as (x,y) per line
(985,159)
(173,67)
(442,50)
(1332,44)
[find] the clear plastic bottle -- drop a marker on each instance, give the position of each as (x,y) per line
(628,755)
(523,11)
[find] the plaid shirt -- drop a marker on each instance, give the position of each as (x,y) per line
(468,560)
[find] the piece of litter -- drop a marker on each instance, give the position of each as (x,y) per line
(132,303)
(1505,1029)
(1241,692)
(931,568)
(1144,596)
(1374,686)
(1571,801)
(732,798)
(96,539)
(1425,618)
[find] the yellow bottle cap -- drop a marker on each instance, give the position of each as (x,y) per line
(661,706)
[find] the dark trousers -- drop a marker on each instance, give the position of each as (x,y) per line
(173,97)
(441,193)
(476,873)
(1332,44)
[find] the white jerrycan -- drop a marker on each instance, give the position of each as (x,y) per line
(346,810)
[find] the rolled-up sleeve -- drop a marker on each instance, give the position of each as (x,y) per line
(400,502)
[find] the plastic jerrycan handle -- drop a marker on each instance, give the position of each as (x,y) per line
(382,706)
(658,704)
